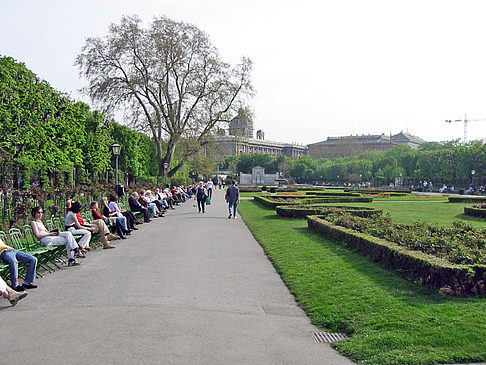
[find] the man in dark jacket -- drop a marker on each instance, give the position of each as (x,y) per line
(232,198)
(135,206)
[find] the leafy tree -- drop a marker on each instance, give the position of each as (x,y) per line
(169,76)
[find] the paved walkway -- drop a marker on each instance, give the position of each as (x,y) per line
(189,288)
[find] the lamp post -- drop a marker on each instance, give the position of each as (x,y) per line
(116,149)
(472,176)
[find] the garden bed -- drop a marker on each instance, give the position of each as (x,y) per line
(332,193)
(274,201)
(302,211)
(434,271)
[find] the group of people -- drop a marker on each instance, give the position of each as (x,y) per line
(203,193)
(111,222)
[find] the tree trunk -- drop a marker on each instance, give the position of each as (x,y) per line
(169,155)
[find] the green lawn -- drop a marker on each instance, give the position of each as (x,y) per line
(390,320)
(440,212)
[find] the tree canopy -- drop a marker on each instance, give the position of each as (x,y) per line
(170,78)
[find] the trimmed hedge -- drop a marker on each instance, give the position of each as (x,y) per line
(467,199)
(433,272)
(258,189)
(379,191)
(268,202)
(332,193)
(475,212)
(302,211)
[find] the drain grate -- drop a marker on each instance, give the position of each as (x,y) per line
(328,337)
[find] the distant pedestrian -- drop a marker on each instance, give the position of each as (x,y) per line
(201,195)
(232,198)
(220,184)
(210,186)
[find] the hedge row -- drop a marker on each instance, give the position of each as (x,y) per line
(433,272)
(475,212)
(332,193)
(257,189)
(268,202)
(467,199)
(302,211)
(379,191)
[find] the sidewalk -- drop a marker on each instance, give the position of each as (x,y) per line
(188,288)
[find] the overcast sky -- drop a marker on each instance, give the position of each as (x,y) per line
(321,68)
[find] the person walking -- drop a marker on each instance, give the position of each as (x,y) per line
(232,197)
(201,195)
(210,186)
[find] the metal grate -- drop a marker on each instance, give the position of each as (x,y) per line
(328,337)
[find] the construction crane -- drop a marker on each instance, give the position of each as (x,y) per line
(465,124)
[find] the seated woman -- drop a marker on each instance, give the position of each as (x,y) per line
(111,221)
(12,257)
(75,222)
(112,206)
(55,238)
(11,295)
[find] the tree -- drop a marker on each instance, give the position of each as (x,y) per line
(170,77)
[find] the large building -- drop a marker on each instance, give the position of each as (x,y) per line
(335,147)
(238,139)
(234,145)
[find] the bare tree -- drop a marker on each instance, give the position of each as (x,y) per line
(170,80)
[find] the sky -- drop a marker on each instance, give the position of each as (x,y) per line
(321,68)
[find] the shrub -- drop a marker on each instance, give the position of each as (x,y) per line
(437,273)
(302,211)
(467,199)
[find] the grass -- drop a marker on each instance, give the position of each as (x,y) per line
(390,320)
(440,212)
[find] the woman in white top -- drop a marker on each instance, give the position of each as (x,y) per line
(55,238)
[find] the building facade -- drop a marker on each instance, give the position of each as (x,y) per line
(335,147)
(234,146)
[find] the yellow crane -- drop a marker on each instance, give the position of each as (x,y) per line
(465,124)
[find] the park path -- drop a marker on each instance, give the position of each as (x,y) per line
(189,288)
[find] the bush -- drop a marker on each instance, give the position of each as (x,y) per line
(302,211)
(436,273)
(273,190)
(264,188)
(467,199)
(475,211)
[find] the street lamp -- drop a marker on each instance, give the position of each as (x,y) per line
(166,165)
(116,149)
(472,176)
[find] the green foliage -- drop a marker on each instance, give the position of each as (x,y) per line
(392,320)
(460,244)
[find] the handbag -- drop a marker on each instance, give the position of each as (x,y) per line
(208,201)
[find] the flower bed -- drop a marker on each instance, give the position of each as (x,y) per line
(408,260)
(332,193)
(302,211)
(274,201)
